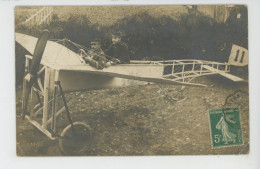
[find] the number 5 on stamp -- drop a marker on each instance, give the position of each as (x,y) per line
(225,127)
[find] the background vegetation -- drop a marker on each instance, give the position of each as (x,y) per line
(191,36)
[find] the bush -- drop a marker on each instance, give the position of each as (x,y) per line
(202,37)
(191,36)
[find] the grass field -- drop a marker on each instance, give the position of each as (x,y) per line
(144,120)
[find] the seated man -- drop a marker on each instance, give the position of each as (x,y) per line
(95,56)
(118,51)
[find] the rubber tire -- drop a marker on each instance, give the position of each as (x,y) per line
(65,150)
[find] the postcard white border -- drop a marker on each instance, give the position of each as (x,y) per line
(8,158)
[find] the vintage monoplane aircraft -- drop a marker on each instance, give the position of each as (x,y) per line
(59,68)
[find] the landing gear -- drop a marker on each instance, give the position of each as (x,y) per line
(31,73)
(75,139)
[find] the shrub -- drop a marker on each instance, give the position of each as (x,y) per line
(191,36)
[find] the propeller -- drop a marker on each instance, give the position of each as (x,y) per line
(32,76)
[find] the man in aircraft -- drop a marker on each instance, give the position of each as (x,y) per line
(95,56)
(118,51)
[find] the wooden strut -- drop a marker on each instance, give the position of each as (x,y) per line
(57,85)
(43,127)
(46,96)
(66,108)
(53,124)
(24,99)
(36,108)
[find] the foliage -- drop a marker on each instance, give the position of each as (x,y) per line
(191,36)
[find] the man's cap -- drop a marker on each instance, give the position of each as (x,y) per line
(95,41)
(117,34)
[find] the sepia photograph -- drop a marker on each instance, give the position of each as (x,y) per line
(132,80)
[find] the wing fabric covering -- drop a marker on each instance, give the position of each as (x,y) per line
(134,77)
(54,53)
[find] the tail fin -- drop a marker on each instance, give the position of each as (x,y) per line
(238,56)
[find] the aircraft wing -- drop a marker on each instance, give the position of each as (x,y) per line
(54,53)
(126,75)
(59,57)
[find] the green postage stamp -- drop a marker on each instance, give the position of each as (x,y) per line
(225,127)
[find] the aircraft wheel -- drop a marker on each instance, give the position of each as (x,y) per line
(77,141)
